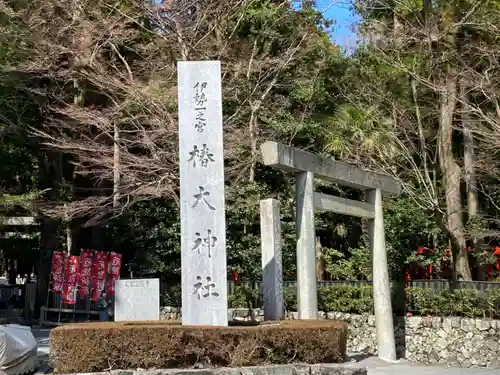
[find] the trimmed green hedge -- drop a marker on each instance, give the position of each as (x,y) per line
(359,300)
(461,302)
(341,298)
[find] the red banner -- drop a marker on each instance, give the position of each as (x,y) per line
(58,265)
(115,260)
(100,273)
(85,273)
(71,281)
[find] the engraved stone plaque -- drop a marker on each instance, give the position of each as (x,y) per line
(137,299)
(203,222)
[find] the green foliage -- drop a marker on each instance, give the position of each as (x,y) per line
(290,297)
(355,131)
(359,300)
(407,227)
(172,296)
(245,297)
(462,302)
(356,265)
(26,201)
(148,235)
(243,225)
(345,298)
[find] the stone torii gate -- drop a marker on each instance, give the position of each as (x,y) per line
(306,167)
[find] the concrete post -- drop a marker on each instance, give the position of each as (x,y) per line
(381,288)
(306,247)
(272,269)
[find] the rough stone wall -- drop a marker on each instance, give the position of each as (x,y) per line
(451,341)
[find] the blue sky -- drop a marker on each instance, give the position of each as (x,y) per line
(340,11)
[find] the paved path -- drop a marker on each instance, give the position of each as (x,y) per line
(43,340)
(42,337)
(378,367)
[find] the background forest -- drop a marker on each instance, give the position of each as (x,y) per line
(88,125)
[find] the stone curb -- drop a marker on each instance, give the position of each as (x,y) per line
(318,369)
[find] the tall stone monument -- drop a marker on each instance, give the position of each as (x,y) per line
(203,221)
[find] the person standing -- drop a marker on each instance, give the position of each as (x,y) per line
(102,306)
(19,282)
(110,309)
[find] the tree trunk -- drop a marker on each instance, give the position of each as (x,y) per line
(253,144)
(451,175)
(397,29)
(69,233)
(470,176)
(116,166)
(469,161)
(470,173)
(50,176)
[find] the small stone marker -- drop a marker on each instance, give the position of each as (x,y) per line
(137,299)
(203,219)
(272,269)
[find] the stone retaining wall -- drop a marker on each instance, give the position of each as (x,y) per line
(452,341)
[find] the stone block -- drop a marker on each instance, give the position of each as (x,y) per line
(137,300)
(467,325)
(436,322)
(336,369)
(483,324)
(492,345)
(493,364)
(414,322)
(427,321)
(447,325)
(441,344)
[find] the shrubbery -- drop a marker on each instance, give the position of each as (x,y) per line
(359,300)
(461,302)
(245,298)
(172,297)
(84,348)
